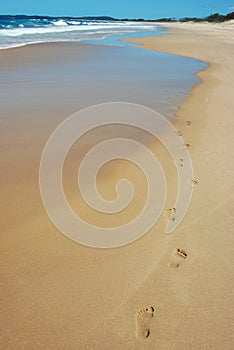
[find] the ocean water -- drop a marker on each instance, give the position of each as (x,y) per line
(102,68)
(16,31)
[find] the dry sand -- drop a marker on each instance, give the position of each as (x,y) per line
(56,294)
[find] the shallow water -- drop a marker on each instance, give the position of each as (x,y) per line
(67,76)
(48,78)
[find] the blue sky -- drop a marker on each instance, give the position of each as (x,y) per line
(118,8)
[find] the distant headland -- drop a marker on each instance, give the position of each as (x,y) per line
(216,17)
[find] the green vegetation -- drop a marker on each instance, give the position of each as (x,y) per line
(214,18)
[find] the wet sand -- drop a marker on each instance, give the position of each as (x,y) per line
(56,294)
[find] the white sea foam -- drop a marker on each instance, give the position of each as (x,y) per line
(60,23)
(13,46)
(56,31)
(74,22)
(59,29)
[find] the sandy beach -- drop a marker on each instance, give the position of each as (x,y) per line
(56,294)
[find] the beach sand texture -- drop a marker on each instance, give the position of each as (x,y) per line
(161,292)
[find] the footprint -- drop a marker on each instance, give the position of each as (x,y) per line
(143,320)
(170,214)
(178,256)
(195,182)
(187,145)
(188,122)
(181,253)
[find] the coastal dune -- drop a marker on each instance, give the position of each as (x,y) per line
(160,292)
